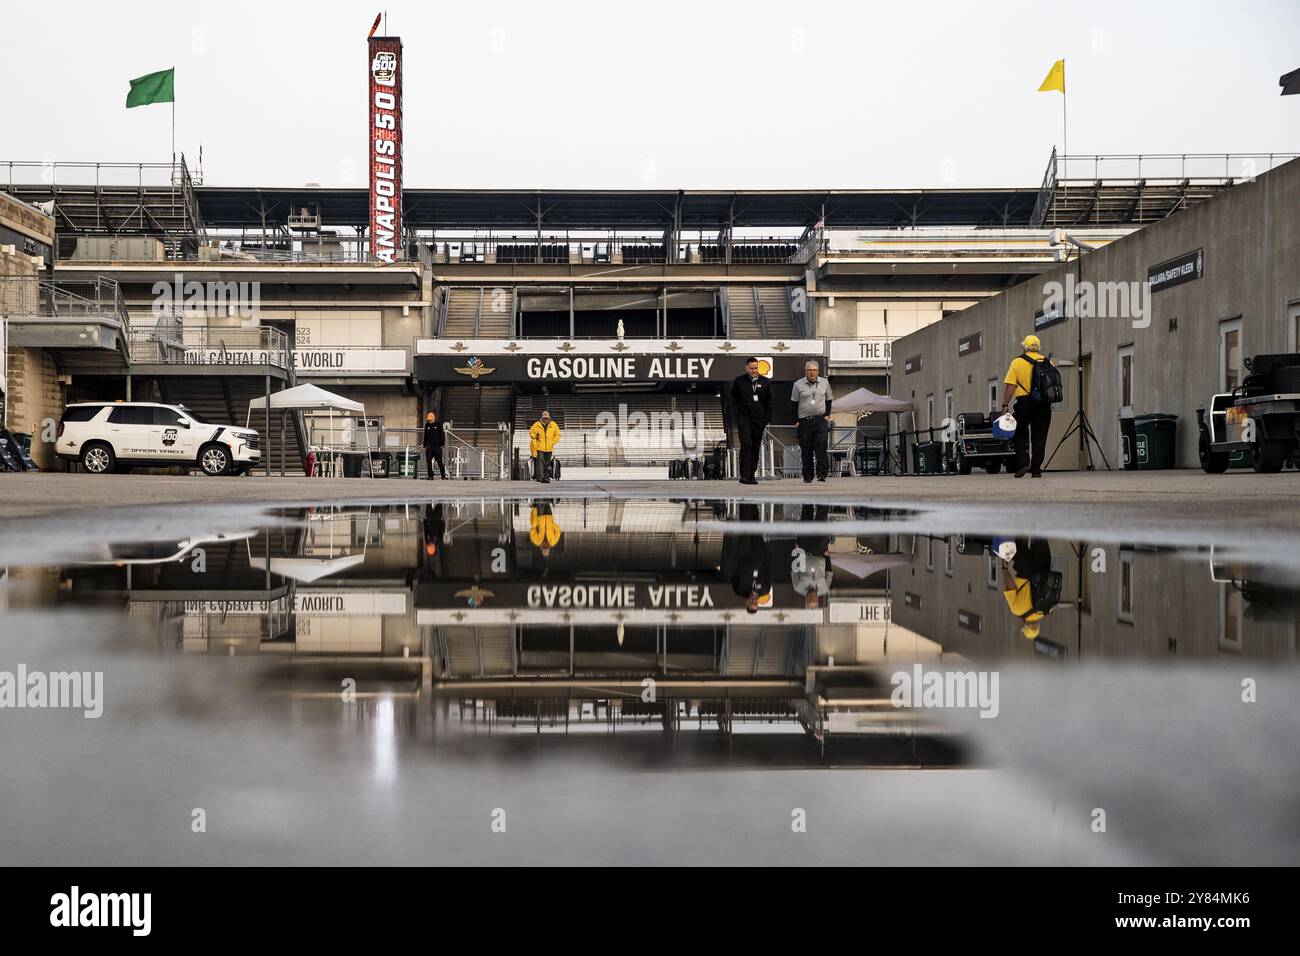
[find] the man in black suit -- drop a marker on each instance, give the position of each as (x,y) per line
(748,561)
(751,396)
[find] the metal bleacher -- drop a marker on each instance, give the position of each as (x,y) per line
(778,317)
(758,312)
(473,412)
(478,651)
(476,312)
(742,307)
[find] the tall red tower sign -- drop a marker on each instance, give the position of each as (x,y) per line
(385,139)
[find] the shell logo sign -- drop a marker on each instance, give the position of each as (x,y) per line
(765,366)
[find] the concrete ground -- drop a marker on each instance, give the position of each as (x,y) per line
(1258,516)
(1241,498)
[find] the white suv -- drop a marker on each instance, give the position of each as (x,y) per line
(116,436)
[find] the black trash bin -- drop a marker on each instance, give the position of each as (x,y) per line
(1128,444)
(1155,441)
(380,462)
(925,457)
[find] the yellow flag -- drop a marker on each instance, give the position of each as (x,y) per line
(1055,78)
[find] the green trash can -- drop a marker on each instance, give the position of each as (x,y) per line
(408,463)
(1154,440)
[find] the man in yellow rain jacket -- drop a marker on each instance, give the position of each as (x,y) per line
(1029,585)
(542,439)
(543,532)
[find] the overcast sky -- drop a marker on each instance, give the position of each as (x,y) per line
(663,94)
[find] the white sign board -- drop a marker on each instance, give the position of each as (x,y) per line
(860,353)
(345,360)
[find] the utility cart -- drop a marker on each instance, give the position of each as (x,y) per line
(976,444)
(1257,424)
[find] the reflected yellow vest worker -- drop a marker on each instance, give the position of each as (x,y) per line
(542,529)
(543,438)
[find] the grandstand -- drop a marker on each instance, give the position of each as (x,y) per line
(498,296)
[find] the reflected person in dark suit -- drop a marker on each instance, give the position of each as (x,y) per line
(748,561)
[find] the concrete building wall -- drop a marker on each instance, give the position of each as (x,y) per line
(1250,237)
(1136,603)
(29,379)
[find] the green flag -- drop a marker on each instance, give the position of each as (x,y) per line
(153,88)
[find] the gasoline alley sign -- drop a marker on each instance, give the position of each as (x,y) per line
(618,367)
(630,367)
(465,361)
(384,134)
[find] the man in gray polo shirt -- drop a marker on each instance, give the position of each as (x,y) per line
(813,395)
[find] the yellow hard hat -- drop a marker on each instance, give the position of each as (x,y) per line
(1030,631)
(1031,343)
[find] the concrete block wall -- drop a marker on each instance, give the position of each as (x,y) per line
(30,380)
(1251,240)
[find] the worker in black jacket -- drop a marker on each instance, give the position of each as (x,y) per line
(748,560)
(434,440)
(751,397)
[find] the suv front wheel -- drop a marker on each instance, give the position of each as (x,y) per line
(98,458)
(214,460)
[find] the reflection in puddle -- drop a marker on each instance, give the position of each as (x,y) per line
(614,615)
(318,678)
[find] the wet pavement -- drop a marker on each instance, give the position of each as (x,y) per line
(580,679)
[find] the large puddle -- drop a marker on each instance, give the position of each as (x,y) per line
(659,680)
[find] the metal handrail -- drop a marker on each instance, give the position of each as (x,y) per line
(168,342)
(73,300)
(1270,160)
(48,173)
(1045,192)
(495,461)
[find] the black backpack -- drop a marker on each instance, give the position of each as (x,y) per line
(1045,383)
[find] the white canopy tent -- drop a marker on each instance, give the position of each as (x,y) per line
(305,398)
(864,400)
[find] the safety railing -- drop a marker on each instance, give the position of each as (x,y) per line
(465,459)
(166,341)
(1044,200)
(77,299)
(483,458)
(344,251)
(1155,166)
(782,457)
(66,300)
(99,175)
(614,250)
